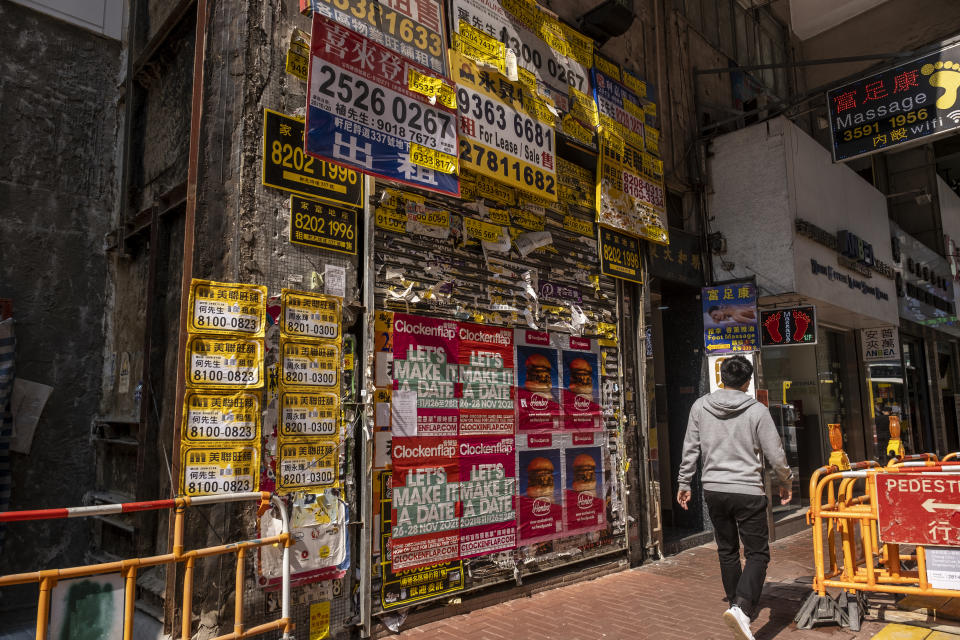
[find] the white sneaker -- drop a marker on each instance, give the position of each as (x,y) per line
(738,622)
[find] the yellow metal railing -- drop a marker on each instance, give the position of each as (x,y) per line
(47,579)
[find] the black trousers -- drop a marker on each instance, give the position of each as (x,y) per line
(740,518)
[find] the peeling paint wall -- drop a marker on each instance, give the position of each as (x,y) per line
(59,125)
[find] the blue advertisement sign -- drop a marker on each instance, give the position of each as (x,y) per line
(730,318)
(369,109)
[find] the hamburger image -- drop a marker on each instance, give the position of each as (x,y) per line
(585,475)
(538,373)
(581,377)
(540,479)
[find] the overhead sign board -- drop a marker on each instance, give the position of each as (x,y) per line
(880,343)
(324,226)
(919,508)
(909,102)
(287,167)
(620,255)
(367,110)
(730,318)
(792,326)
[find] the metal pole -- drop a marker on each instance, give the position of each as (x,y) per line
(189,222)
(808,63)
(366,435)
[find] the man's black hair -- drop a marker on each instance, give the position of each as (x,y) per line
(713,308)
(735,372)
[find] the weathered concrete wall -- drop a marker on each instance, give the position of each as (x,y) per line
(58,122)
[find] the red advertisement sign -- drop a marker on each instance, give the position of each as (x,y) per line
(539,467)
(538,382)
(362,113)
(424,513)
(488,487)
(486,380)
(583,487)
(425,354)
(919,508)
(581,385)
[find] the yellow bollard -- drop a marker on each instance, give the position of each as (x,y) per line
(838,456)
(895,445)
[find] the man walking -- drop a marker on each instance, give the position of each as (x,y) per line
(729,430)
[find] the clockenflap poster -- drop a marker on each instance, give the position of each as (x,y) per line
(498,408)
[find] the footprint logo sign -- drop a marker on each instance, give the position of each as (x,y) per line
(944,75)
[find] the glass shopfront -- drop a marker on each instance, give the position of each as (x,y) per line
(809,388)
(885,384)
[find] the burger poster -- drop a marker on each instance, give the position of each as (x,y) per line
(425,375)
(581,384)
(538,382)
(488,494)
(539,464)
(583,491)
(486,380)
(424,514)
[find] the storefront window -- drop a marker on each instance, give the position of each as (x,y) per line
(811,387)
(886,388)
(790,375)
(917,428)
(839,396)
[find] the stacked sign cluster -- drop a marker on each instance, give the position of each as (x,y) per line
(220,432)
(388,98)
(494,440)
(308,425)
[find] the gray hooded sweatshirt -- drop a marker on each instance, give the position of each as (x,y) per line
(729,430)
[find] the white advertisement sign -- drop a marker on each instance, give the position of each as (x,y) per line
(715,362)
(880,344)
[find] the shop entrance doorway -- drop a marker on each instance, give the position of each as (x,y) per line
(917,421)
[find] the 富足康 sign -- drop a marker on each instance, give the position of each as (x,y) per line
(880,343)
(783,327)
(730,318)
(908,102)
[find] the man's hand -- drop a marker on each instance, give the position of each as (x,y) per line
(786,494)
(683,497)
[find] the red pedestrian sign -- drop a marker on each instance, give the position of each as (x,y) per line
(919,508)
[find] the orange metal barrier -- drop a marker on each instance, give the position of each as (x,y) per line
(866,565)
(47,579)
(952,456)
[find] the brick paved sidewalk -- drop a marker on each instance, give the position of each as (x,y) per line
(679,598)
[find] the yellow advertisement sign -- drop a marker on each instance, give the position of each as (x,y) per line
(496,191)
(307,464)
(219,417)
(432,87)
(310,315)
(207,471)
(629,201)
(479,47)
(608,67)
(481,230)
(319,620)
(224,363)
(309,414)
(309,365)
(432,159)
(500,136)
(578,226)
(222,307)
